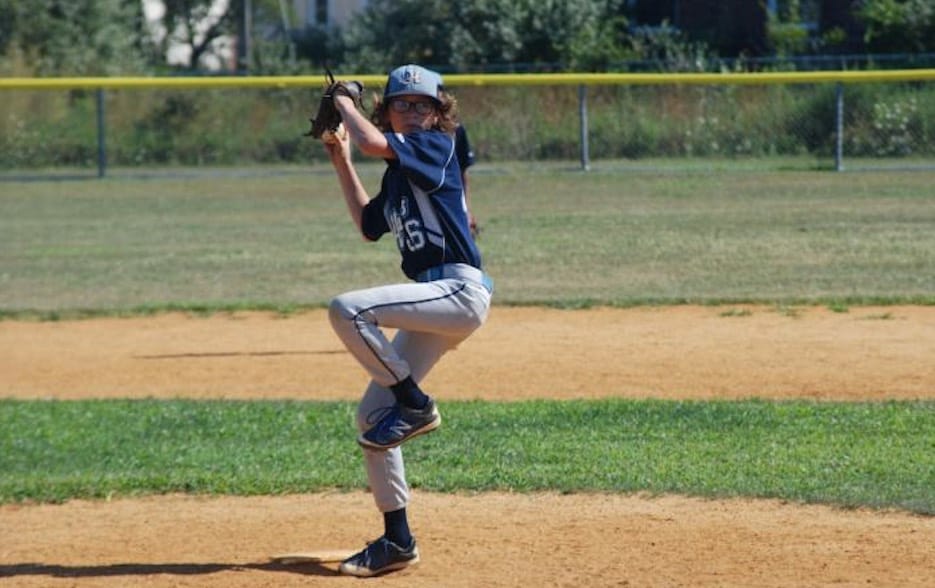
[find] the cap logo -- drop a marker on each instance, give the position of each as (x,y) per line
(412,77)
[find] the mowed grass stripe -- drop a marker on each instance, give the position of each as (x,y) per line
(851,454)
(549,236)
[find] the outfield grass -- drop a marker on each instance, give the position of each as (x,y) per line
(552,235)
(851,454)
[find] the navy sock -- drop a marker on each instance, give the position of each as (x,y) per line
(396,527)
(408,393)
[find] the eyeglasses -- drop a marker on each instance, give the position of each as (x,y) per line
(421,107)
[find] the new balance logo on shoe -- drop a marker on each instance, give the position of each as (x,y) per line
(399,425)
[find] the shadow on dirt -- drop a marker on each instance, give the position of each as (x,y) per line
(151,569)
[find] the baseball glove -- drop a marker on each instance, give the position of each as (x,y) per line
(327,120)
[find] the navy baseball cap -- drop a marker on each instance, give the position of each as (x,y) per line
(412,79)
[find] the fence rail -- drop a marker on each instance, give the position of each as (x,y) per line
(455,80)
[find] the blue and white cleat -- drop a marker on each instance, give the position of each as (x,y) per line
(380,557)
(399,425)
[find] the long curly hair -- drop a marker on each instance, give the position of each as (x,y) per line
(446,108)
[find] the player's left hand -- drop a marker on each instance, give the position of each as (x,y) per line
(327,119)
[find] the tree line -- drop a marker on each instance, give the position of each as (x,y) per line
(115,37)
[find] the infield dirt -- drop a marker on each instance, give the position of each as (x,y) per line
(491,539)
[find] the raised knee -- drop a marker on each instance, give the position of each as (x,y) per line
(339,311)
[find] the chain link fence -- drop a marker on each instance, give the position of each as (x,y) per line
(826,125)
(830,126)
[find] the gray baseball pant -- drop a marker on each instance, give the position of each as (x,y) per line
(431,318)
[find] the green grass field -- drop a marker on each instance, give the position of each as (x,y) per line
(207,242)
(551,235)
(878,455)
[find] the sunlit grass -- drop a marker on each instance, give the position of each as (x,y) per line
(851,454)
(549,236)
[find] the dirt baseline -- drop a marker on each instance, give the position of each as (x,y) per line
(673,352)
(488,539)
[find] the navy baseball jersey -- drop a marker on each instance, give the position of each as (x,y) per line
(421,201)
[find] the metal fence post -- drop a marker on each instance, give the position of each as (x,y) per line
(839,127)
(101,132)
(583,118)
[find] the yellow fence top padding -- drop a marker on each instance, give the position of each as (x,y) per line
(317,81)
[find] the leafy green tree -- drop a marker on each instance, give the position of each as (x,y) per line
(319,46)
(898,26)
(8,24)
(786,34)
(841,31)
(73,37)
(600,45)
(668,49)
(576,34)
(390,32)
(485,33)
(488,33)
(549,28)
